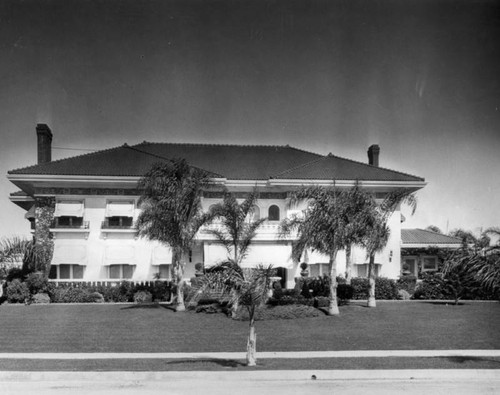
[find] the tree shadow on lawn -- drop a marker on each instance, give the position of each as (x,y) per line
(226,363)
(446,303)
(149,306)
(463,359)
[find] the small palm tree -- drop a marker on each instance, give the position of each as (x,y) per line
(238,229)
(171,212)
(15,249)
(247,287)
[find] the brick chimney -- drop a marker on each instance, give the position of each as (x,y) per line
(373,152)
(44,143)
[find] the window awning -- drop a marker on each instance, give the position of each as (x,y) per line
(69,208)
(161,256)
(120,208)
(69,254)
(119,254)
(278,255)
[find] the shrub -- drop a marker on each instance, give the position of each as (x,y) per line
(40,298)
(360,288)
(71,295)
(403,295)
(385,289)
(320,286)
(96,297)
(407,283)
(431,287)
(345,292)
(37,283)
(17,292)
(321,301)
(143,297)
(13,273)
(279,312)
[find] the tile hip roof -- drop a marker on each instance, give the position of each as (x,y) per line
(236,162)
(421,236)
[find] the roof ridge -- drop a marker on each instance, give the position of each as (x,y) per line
(68,158)
(376,167)
(233,145)
(434,233)
(298,167)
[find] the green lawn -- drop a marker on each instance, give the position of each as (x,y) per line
(130,328)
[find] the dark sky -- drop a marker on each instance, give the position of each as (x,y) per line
(420,78)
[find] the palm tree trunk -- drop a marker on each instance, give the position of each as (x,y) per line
(348,264)
(371,282)
(252,342)
(179,280)
(333,308)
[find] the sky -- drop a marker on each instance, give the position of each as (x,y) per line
(419,78)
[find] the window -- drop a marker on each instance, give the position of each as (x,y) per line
(362,270)
(318,270)
(164,271)
(429,263)
(121,271)
(274,213)
(118,222)
(409,266)
(66,272)
(68,222)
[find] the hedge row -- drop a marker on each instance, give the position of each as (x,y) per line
(37,289)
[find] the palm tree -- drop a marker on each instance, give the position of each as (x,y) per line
(16,249)
(378,232)
(358,208)
(171,212)
(238,230)
(248,287)
(322,228)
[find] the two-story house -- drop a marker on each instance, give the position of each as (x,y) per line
(85,207)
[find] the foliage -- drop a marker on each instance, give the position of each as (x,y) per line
(386,288)
(360,286)
(37,282)
(40,298)
(279,312)
(143,297)
(403,295)
(320,286)
(171,210)
(238,228)
(123,292)
(345,292)
(407,283)
(328,224)
(14,250)
(246,287)
(17,292)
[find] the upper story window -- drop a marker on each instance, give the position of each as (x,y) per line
(68,214)
(273,213)
(119,214)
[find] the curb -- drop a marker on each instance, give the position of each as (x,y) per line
(261,355)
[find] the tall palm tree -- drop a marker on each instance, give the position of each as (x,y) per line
(237,227)
(378,232)
(248,287)
(171,212)
(322,228)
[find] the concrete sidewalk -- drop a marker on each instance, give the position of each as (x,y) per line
(260,355)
